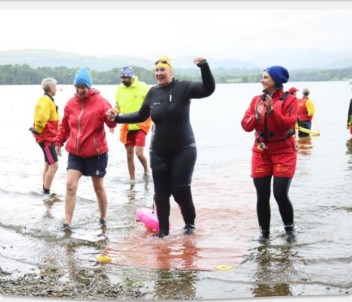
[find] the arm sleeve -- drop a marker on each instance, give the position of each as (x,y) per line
(138,116)
(64,130)
(310,107)
(42,115)
(206,87)
(248,121)
(285,113)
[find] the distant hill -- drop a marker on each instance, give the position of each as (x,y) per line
(29,66)
(295,59)
(53,58)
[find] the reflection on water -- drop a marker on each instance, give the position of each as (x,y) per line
(175,285)
(304,145)
(274,271)
(349,146)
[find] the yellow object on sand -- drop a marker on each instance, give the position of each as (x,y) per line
(224,267)
(103,259)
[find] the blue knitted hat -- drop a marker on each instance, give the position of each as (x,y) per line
(83,77)
(127,72)
(279,74)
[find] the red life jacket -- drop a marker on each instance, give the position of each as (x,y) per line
(302,110)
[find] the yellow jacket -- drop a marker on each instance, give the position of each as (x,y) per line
(46,119)
(129,100)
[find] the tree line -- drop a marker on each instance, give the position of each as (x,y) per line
(26,75)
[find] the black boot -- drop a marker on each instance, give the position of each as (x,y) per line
(163,226)
(163,233)
(189,229)
(264,236)
(291,234)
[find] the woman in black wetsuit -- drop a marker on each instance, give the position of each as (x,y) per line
(173,150)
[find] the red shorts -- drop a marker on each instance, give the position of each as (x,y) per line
(136,138)
(280,165)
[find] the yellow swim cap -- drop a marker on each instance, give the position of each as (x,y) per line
(164,61)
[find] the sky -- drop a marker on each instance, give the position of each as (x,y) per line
(241,30)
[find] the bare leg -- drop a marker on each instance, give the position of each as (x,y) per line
(45,170)
(130,162)
(72,179)
(98,184)
(49,174)
(142,158)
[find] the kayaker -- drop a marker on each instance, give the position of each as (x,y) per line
(306,111)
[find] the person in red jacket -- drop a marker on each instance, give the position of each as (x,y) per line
(272,116)
(306,111)
(82,126)
(44,130)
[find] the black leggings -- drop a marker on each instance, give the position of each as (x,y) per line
(172,175)
(281,186)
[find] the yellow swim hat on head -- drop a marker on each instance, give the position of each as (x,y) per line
(164,61)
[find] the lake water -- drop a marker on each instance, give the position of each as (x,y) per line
(223,260)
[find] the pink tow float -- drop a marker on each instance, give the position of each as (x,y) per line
(149,218)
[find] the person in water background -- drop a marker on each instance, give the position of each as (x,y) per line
(272,115)
(349,113)
(45,129)
(130,94)
(306,111)
(293,91)
(173,150)
(82,127)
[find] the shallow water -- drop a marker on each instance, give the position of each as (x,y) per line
(318,264)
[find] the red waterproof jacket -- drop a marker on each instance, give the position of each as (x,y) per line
(276,130)
(82,125)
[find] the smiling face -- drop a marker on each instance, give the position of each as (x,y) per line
(82,91)
(163,76)
(268,83)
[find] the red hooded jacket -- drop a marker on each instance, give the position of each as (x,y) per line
(82,125)
(276,130)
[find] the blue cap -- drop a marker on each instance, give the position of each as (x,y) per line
(127,72)
(279,74)
(83,77)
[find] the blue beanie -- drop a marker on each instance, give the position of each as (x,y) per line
(279,74)
(127,72)
(83,77)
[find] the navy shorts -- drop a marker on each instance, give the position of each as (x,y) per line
(88,166)
(50,155)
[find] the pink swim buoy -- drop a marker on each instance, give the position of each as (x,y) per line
(149,218)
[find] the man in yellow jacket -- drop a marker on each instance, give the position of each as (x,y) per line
(130,95)
(45,129)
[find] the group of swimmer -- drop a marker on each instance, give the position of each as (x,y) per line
(164,109)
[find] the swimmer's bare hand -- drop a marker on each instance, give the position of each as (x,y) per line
(198,60)
(58,150)
(111,114)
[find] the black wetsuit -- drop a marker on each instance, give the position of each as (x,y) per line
(173,149)
(349,113)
